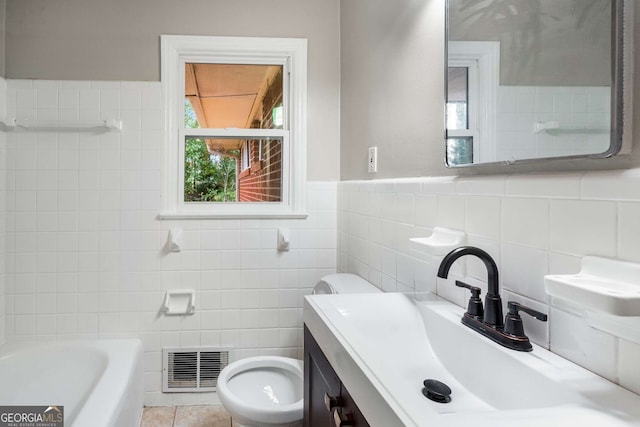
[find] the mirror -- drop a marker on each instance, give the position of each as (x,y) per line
(532,80)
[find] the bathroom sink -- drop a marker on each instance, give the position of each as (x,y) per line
(384,345)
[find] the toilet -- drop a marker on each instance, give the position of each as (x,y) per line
(267,390)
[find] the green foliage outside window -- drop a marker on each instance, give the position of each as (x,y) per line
(207,177)
(460,151)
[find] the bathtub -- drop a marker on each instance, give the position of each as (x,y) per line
(99,382)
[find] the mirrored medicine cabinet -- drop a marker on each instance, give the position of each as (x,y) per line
(536,80)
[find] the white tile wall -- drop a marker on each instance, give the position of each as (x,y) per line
(86,253)
(519,107)
(531,224)
(83,253)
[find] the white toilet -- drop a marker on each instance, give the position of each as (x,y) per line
(267,390)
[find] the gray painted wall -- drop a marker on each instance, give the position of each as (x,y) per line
(392,90)
(375,79)
(120,40)
(392,87)
(3,8)
(546,43)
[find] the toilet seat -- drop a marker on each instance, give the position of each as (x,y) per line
(263,390)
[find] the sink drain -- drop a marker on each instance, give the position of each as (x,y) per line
(437,391)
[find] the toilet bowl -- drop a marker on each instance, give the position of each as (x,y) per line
(263,391)
(267,390)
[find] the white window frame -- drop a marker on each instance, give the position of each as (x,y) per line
(292,55)
(482,59)
(245,156)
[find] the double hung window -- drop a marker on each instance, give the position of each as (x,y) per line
(472,81)
(235,136)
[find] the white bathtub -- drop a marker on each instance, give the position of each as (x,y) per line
(99,382)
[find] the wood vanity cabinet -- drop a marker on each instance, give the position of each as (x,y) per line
(326,401)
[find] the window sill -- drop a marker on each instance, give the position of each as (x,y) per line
(256,215)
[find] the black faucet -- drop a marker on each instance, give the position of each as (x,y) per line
(488,320)
(492,301)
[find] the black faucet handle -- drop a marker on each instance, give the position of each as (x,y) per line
(475,307)
(514,307)
(513,321)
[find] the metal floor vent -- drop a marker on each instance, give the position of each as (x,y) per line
(192,369)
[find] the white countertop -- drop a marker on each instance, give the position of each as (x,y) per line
(384,345)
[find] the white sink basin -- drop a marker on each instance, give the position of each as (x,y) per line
(384,345)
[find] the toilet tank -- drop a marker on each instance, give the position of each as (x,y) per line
(344,283)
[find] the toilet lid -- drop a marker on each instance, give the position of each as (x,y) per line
(266,386)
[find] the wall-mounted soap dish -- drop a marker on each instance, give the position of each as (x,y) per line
(441,242)
(603,285)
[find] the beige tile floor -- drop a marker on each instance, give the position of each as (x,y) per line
(185,416)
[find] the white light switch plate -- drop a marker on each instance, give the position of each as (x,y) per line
(372,162)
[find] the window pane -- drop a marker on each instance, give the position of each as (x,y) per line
(460,151)
(458,98)
(232,170)
(233,95)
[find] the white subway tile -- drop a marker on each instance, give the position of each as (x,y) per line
(25,200)
(110,100)
(45,324)
(426,207)
(447,289)
(24,304)
(523,270)
(130,97)
(88,115)
(151,95)
(151,119)
(25,242)
(27,99)
(24,160)
(629,231)
(405,270)
(405,208)
(88,323)
(483,186)
(26,114)
(76,84)
(47,98)
(130,120)
(573,339)
(628,372)
(583,227)
(67,303)
(616,185)
(66,324)
(47,241)
(525,221)
(68,99)
(450,212)
(547,185)
(439,185)
(89,99)
(483,216)
(580,103)
(108,323)
(544,99)
(99,84)
(45,303)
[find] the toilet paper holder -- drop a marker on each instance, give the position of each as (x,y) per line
(179,302)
